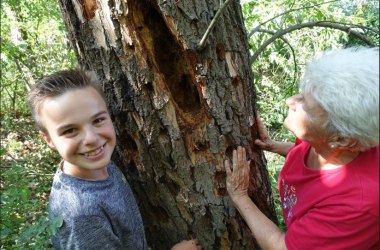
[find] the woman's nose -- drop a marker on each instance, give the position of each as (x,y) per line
(293,100)
(290,101)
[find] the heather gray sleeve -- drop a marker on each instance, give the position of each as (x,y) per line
(87,232)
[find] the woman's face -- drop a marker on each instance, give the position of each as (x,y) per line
(306,118)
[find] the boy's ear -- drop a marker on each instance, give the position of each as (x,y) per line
(47,139)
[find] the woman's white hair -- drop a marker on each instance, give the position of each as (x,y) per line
(345,82)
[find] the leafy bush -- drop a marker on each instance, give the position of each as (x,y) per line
(27,168)
(33,43)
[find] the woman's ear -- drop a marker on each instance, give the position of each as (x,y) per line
(343,142)
(348,142)
(47,139)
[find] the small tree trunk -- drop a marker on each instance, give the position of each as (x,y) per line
(178,111)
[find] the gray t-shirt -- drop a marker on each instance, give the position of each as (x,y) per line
(96,214)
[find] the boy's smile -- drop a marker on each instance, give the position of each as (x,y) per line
(79,127)
(94,153)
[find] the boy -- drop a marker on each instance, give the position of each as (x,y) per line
(88,192)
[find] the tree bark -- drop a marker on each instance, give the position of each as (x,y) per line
(178,110)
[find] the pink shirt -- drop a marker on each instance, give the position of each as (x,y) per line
(331,209)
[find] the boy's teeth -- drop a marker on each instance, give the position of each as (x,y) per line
(95,152)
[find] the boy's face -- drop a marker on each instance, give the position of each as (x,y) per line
(80,129)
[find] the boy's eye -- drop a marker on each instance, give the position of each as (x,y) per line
(68,131)
(99,120)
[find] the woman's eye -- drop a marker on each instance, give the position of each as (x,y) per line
(299,98)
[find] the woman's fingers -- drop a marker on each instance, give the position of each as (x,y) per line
(241,156)
(263,133)
(227,167)
(238,160)
(237,181)
(234,160)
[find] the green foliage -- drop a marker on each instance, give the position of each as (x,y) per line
(278,68)
(27,168)
(275,72)
(276,163)
(366,14)
(33,43)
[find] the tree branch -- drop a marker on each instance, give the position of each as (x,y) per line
(25,74)
(291,48)
(212,24)
(358,26)
(325,24)
(286,12)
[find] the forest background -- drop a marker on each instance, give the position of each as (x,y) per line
(282,34)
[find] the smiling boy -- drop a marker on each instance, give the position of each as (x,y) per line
(89,192)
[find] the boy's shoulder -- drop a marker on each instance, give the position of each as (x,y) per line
(73,194)
(61,176)
(67,183)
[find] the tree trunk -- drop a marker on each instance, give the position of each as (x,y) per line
(178,110)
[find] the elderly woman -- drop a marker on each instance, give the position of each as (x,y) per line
(329,184)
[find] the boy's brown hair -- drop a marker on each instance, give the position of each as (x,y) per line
(57,84)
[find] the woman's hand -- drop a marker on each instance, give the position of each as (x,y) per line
(237,178)
(264,142)
(188,245)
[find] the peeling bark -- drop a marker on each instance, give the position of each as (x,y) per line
(178,111)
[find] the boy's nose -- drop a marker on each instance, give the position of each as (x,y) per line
(90,137)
